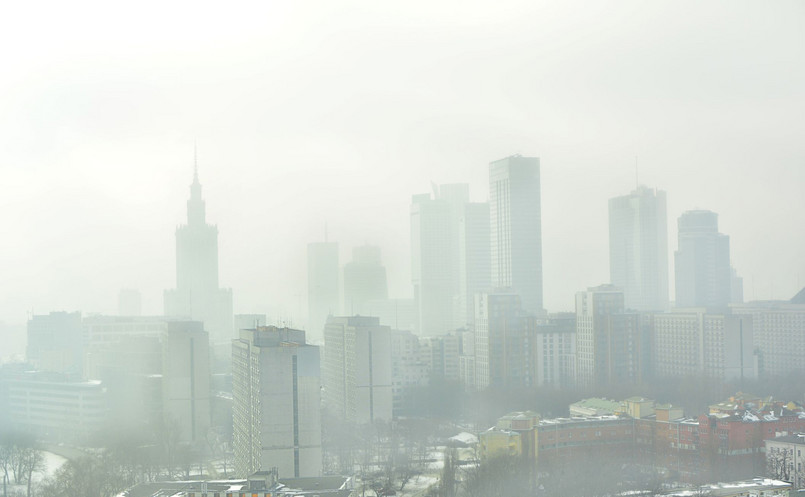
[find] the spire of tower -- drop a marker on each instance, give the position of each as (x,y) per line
(195,162)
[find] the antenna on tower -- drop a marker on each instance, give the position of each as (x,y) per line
(195,159)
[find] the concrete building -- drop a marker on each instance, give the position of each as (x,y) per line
(516,228)
(638,248)
(440,354)
(554,344)
(276,403)
(475,270)
(694,342)
(435,261)
(357,369)
(55,343)
(785,459)
(409,371)
(503,355)
(54,408)
(364,280)
(186,379)
(323,294)
(702,262)
(778,335)
(610,344)
(197,295)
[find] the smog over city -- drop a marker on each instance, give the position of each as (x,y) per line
(423,249)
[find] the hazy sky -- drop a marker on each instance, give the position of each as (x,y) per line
(338,111)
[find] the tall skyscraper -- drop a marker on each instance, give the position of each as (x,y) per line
(475,273)
(435,260)
(702,262)
(197,295)
(276,403)
(357,369)
(364,280)
(638,248)
(516,228)
(322,286)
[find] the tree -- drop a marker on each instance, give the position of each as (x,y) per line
(33,461)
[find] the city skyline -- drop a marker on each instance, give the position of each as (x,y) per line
(96,159)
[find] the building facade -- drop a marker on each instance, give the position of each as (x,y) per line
(702,262)
(516,228)
(276,398)
(357,369)
(364,280)
(197,295)
(638,248)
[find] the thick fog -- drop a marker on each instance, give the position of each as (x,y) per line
(314,114)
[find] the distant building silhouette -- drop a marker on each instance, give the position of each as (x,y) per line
(276,403)
(129,302)
(323,293)
(516,228)
(702,262)
(435,259)
(638,248)
(197,295)
(55,343)
(364,280)
(475,263)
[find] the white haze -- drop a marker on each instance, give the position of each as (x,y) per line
(308,113)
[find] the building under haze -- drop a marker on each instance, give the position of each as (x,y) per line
(475,270)
(276,412)
(357,369)
(610,343)
(322,286)
(697,343)
(364,280)
(516,228)
(435,259)
(197,295)
(638,248)
(702,262)
(186,380)
(55,343)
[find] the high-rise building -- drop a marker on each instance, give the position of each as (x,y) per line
(55,343)
(357,369)
(364,280)
(516,228)
(555,343)
(475,272)
(702,262)
(186,379)
(322,286)
(503,357)
(694,342)
(638,248)
(609,342)
(276,413)
(409,371)
(779,336)
(197,295)
(435,271)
